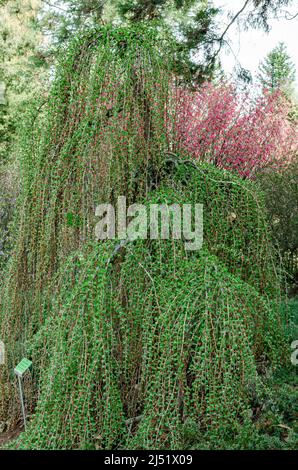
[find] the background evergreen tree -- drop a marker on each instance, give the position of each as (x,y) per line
(194,23)
(277,71)
(22,65)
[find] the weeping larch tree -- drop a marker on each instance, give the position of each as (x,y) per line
(147,345)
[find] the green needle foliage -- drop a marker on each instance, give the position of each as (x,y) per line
(277,71)
(153,345)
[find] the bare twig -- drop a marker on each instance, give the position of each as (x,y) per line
(221,38)
(289,18)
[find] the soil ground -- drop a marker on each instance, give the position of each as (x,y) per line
(9,436)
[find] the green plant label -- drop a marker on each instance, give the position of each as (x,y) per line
(22,367)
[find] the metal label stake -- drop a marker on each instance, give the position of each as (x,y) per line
(20,370)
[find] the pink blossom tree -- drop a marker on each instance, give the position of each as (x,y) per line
(217,125)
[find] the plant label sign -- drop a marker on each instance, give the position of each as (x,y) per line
(22,367)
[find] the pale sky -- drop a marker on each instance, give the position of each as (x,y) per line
(250,47)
